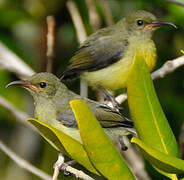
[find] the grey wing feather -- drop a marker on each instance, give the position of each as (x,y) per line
(67,118)
(108,117)
(98,51)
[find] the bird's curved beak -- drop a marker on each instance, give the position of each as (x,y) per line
(24,83)
(158,23)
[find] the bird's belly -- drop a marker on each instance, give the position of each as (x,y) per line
(112,77)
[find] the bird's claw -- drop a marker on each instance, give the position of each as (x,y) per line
(63,169)
(123,146)
(110,98)
(115,104)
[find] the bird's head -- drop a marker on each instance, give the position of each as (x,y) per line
(143,22)
(41,84)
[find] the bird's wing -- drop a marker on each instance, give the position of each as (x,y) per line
(100,50)
(108,117)
(67,118)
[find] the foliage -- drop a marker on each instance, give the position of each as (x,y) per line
(23,30)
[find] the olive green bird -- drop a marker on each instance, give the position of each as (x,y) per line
(51,100)
(106,56)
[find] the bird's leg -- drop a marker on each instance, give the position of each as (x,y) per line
(123,146)
(65,165)
(60,165)
(109,97)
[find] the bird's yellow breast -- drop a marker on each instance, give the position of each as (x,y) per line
(114,76)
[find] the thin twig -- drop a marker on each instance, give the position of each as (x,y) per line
(57,166)
(20,116)
(77,21)
(135,161)
(22,163)
(181,142)
(11,62)
(181,3)
(81,36)
(83,88)
(107,12)
(167,68)
(50,42)
(77,173)
(94,18)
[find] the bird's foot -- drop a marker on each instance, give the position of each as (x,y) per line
(123,146)
(110,98)
(64,166)
(115,104)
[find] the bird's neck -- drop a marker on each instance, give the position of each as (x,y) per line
(45,109)
(144,46)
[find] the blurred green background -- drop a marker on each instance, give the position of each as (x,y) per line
(23,30)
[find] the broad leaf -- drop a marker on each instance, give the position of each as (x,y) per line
(64,143)
(160,160)
(98,146)
(149,120)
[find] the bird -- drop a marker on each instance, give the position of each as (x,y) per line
(104,59)
(51,99)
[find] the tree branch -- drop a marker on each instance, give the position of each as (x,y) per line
(181,3)
(11,62)
(81,36)
(22,163)
(50,42)
(77,21)
(77,173)
(107,12)
(135,160)
(94,18)
(167,68)
(19,115)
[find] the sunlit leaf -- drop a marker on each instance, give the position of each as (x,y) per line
(64,143)
(159,159)
(149,120)
(98,146)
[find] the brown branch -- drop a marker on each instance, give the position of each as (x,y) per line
(181,3)
(135,161)
(11,62)
(76,172)
(81,36)
(94,18)
(167,68)
(19,115)
(50,42)
(77,21)
(107,12)
(23,163)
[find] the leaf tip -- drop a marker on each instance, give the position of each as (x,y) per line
(75,102)
(133,139)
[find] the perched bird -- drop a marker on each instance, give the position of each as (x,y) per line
(106,56)
(51,99)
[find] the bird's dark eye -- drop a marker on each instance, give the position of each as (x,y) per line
(43,84)
(140,22)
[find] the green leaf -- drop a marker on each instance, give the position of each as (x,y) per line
(149,120)
(98,146)
(160,160)
(64,143)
